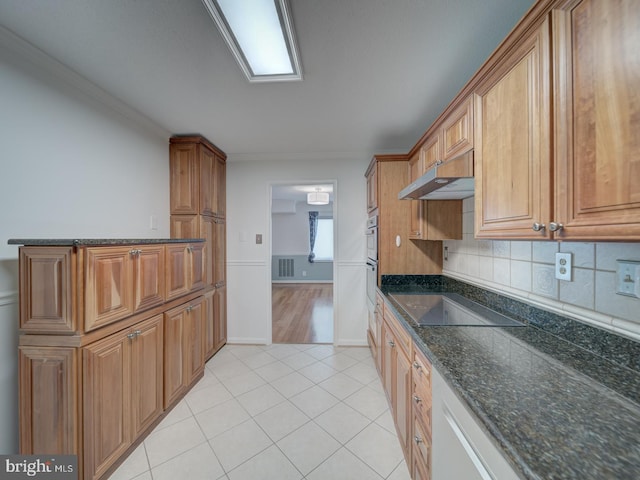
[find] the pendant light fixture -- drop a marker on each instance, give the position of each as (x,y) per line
(318,197)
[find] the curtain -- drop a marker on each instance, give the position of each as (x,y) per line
(313,231)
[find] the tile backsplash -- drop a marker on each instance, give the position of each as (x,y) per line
(525,270)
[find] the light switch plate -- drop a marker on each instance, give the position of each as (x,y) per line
(258,239)
(563,266)
(628,278)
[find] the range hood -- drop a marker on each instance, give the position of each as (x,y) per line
(451,180)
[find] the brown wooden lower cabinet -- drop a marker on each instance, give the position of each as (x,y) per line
(121,376)
(96,390)
(405,375)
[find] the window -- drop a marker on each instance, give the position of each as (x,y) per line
(324,240)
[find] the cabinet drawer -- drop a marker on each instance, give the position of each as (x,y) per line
(421,370)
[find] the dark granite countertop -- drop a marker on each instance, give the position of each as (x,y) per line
(86,242)
(557,409)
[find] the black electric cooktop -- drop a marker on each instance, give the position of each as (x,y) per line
(450,309)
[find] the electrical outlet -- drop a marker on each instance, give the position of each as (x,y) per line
(153,222)
(628,278)
(258,238)
(304,273)
(563,266)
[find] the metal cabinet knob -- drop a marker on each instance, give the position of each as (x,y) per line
(416,365)
(135,251)
(538,226)
(416,399)
(131,336)
(417,439)
(555,227)
(137,332)
(392,343)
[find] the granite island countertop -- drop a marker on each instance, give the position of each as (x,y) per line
(554,408)
(95,242)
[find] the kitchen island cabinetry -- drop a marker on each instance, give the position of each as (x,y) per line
(90,388)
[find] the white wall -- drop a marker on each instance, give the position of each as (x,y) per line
(71,166)
(525,270)
(248,264)
(291,230)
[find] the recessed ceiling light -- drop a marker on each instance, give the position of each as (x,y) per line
(261,37)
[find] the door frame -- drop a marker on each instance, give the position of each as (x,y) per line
(317,181)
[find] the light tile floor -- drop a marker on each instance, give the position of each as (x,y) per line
(281,412)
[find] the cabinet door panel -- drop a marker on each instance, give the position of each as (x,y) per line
(598,120)
(432,152)
(197,267)
(176,280)
(184,188)
(512,143)
(209,325)
(148,277)
(48,408)
(184,226)
(106,400)
(194,332)
(108,286)
(457,131)
(208,232)
(146,374)
(174,354)
(220,187)
(403,400)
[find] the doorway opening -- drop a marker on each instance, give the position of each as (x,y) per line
(302,263)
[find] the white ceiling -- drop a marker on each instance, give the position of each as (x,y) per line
(376,72)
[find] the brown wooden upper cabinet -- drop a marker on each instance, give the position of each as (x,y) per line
(198,178)
(185,270)
(122,281)
(457,131)
(556,129)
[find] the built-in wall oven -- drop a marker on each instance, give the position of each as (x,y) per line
(372,260)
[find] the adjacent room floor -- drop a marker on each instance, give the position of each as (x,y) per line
(276,412)
(302,312)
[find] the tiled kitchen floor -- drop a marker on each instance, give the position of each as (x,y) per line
(276,412)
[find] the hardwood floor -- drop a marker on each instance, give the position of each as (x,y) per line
(302,312)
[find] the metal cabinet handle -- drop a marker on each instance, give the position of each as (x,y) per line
(416,399)
(189,308)
(555,227)
(391,343)
(417,366)
(131,335)
(189,248)
(137,332)
(417,439)
(135,251)
(538,226)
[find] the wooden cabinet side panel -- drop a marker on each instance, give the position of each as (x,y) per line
(208,232)
(147,357)
(184,185)
(108,286)
(220,252)
(597,70)
(220,187)
(48,405)
(220,317)
(46,285)
(106,401)
(444,219)
(148,275)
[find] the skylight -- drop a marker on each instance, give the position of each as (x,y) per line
(261,37)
